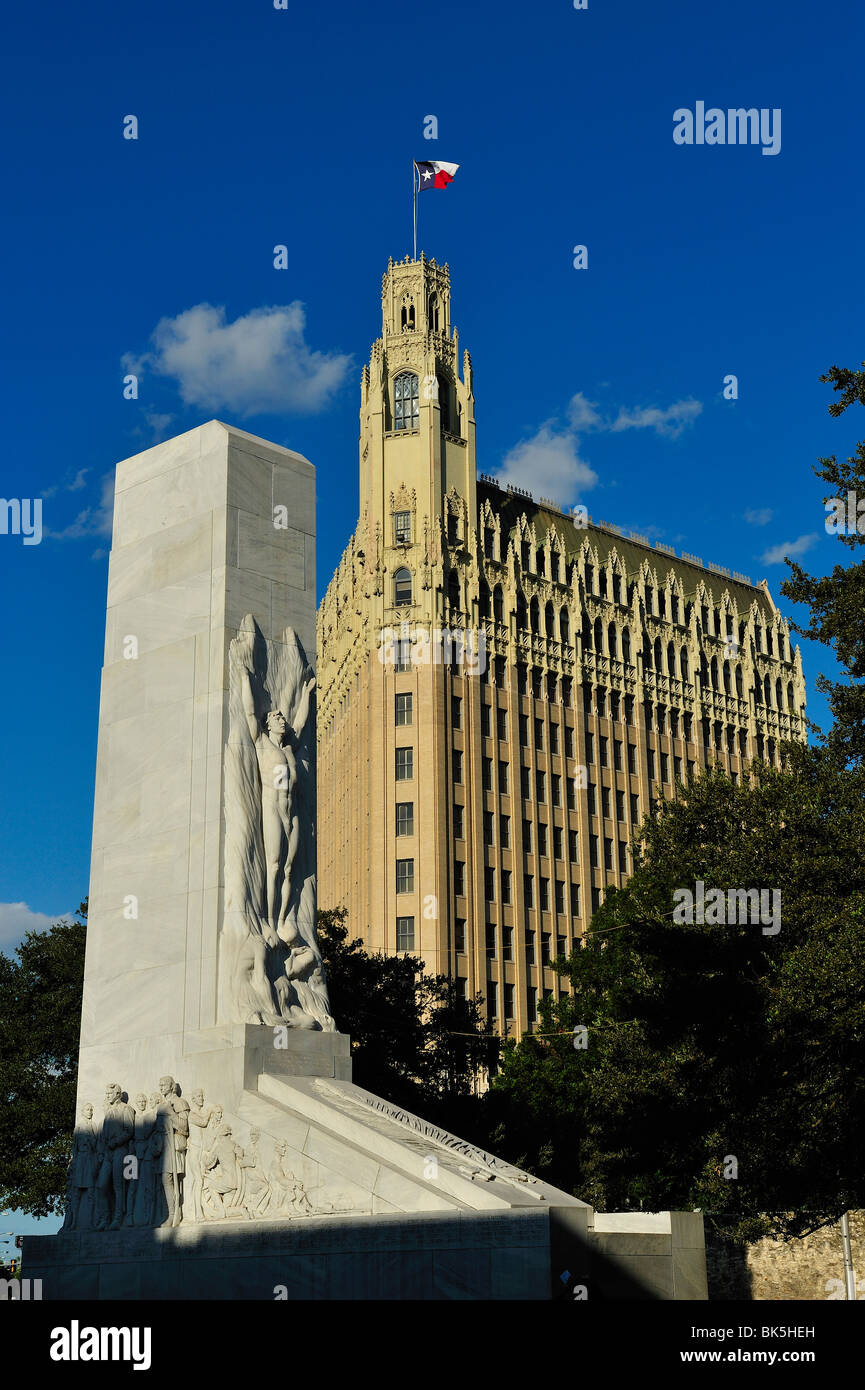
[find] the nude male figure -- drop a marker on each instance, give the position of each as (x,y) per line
(275,743)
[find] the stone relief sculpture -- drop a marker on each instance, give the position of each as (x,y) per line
(169,1160)
(83,1168)
(270,963)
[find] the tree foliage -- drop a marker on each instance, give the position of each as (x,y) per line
(414,1041)
(40,1020)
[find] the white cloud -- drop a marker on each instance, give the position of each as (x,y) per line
(758,516)
(583,414)
(776,553)
(91,521)
(259,364)
(548,465)
(670,421)
(18,918)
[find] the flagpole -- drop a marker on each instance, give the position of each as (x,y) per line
(414,205)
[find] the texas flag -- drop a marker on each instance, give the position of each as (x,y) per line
(432,174)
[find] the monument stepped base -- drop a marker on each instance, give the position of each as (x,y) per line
(391,1207)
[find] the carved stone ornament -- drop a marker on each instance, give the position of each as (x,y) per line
(270,967)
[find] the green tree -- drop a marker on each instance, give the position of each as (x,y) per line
(414,1041)
(40,1020)
(707,1043)
(837,600)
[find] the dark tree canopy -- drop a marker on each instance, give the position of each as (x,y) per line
(40,1019)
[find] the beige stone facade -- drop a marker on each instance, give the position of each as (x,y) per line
(477,794)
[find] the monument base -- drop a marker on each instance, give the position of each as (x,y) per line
(354,1198)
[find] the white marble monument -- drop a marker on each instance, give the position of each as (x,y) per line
(222,1150)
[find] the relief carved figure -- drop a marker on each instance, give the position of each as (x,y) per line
(255,1186)
(222,1176)
(173,1125)
(117,1130)
(288,1193)
(202,1119)
(269,959)
(83,1169)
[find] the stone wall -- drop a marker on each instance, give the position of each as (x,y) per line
(774,1270)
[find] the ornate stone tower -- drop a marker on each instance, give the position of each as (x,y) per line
(475,813)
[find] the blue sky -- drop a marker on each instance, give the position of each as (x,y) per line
(260,127)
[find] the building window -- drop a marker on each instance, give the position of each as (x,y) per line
(405,818)
(545,895)
(635,808)
(558,842)
(623,857)
(545,948)
(459,878)
(603,747)
(402,654)
(403,709)
(539,733)
(593,851)
(650,761)
(608,853)
(596,899)
(665,768)
(504,784)
(457,760)
(460,935)
(591,799)
(505,831)
(487,774)
(405,933)
(573,846)
(605,802)
(560,896)
(524,730)
(571,794)
(402,528)
(509,1002)
(617,754)
(529,890)
(404,764)
(532,1004)
(575,900)
(541,785)
(527,836)
(459,822)
(491,943)
(405,402)
(405,875)
(632,759)
(492,1001)
(569,741)
(402,587)
(590,748)
(456,711)
(489,837)
(502,724)
(524,783)
(620,805)
(554,738)
(530,948)
(556,782)
(506,885)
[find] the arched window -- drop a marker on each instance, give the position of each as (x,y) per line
(522,620)
(587,634)
(498,604)
(683,663)
(727,687)
(402,587)
(434,312)
(626,644)
(405,402)
(779,701)
(599,637)
(740,689)
(657,655)
(540,562)
(535,616)
(590,579)
(407,316)
(564,625)
(671,659)
(483,600)
(767,693)
(612,640)
(550,620)
(790,696)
